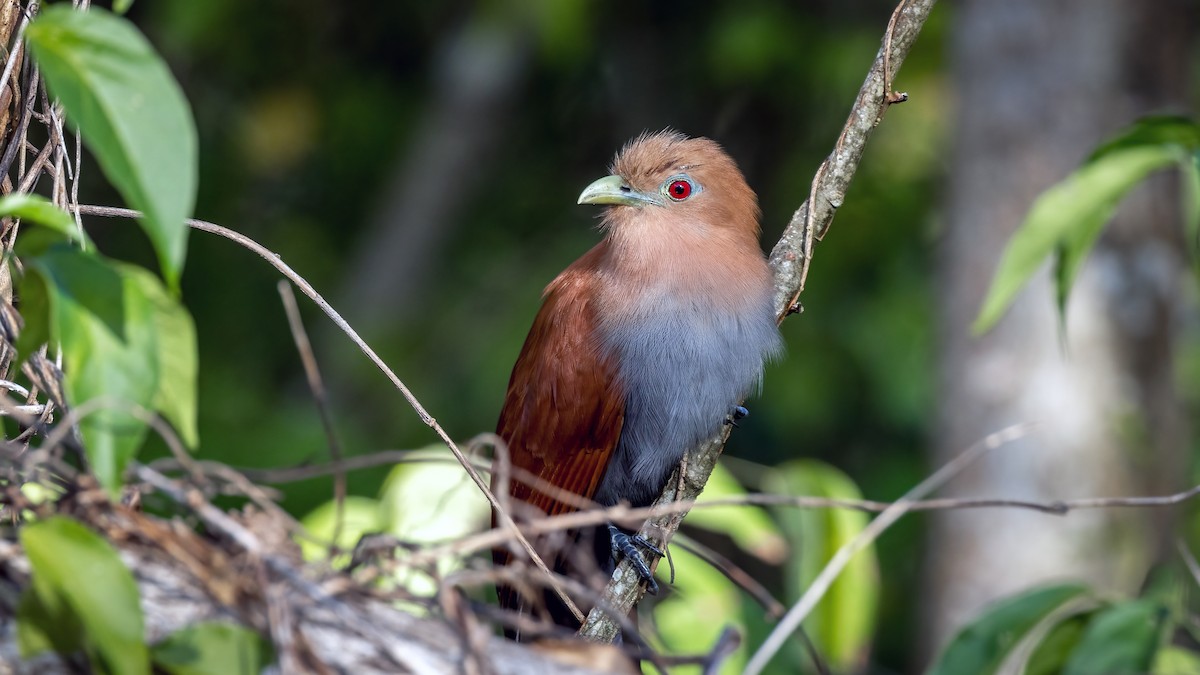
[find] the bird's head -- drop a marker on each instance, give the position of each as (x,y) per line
(681,182)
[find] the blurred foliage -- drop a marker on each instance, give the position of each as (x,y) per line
(307,110)
(1067,219)
(1072,630)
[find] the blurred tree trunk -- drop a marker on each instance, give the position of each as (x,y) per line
(476,76)
(1040,83)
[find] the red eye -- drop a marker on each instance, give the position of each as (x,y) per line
(679,190)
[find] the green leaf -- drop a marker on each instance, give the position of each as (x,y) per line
(35,310)
(1067,219)
(132,115)
(106,327)
(750,527)
(982,647)
(1052,652)
(1151,131)
(122,6)
(176,353)
(1122,639)
(41,628)
(429,501)
(1191,200)
(212,649)
(841,625)
(1176,661)
(33,208)
(360,516)
(685,618)
(76,571)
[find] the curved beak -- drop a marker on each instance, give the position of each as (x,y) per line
(614,190)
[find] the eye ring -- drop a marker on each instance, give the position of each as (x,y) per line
(679,189)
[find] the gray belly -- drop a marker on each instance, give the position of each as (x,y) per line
(683,371)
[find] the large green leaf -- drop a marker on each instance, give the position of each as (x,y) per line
(1066,220)
(126,344)
(43,627)
(1122,639)
(132,114)
(982,647)
(106,328)
(78,573)
(212,649)
(841,625)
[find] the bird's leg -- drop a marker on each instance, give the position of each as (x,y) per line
(739,412)
(627,545)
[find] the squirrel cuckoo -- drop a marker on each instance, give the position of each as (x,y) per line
(642,348)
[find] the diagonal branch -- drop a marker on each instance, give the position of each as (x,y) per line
(790,261)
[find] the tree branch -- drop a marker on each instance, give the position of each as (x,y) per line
(790,261)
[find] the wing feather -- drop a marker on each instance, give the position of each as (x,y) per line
(564,409)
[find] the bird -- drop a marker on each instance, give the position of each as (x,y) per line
(642,348)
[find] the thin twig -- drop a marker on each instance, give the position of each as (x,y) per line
(1189,560)
(317,386)
(817,589)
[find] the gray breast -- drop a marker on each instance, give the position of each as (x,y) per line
(684,367)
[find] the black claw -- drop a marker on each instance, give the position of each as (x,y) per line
(627,545)
(738,413)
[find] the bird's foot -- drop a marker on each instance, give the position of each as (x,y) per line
(627,545)
(739,412)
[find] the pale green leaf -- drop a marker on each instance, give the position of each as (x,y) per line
(360,515)
(842,624)
(75,570)
(132,115)
(1176,661)
(1066,219)
(750,527)
(982,647)
(429,500)
(176,355)
(122,6)
(701,603)
(212,649)
(1122,639)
